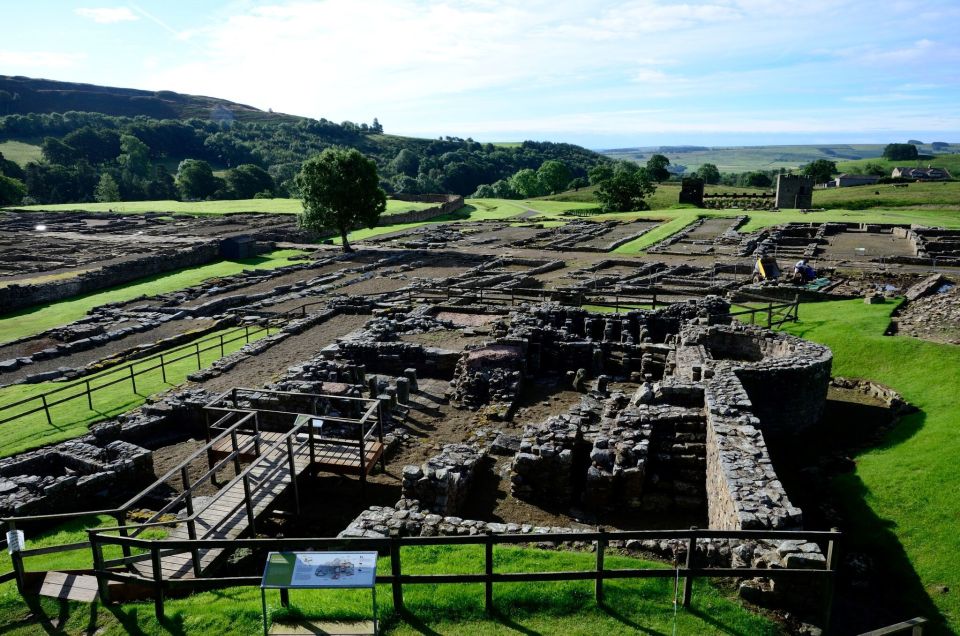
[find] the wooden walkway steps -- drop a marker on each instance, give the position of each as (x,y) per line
(227,517)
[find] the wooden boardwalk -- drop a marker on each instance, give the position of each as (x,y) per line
(227,517)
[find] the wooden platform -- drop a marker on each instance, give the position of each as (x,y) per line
(227,517)
(332,455)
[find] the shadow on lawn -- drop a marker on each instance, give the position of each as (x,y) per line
(876,583)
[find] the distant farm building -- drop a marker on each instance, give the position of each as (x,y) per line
(921,174)
(847,180)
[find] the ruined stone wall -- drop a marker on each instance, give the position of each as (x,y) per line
(442,483)
(16,296)
(447,203)
(794,191)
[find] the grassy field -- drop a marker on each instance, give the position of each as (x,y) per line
(477,210)
(950,162)
(748,158)
(19,152)
(943,195)
(39,318)
(901,501)
(273,206)
(644,605)
(72,418)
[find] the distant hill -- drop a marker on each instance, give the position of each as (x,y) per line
(64,138)
(24,95)
(748,158)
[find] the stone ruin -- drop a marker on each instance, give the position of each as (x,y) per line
(692,435)
(73,475)
(691,191)
(794,191)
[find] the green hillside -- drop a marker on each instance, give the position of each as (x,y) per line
(748,158)
(24,95)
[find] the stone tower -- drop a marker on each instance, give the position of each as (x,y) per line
(794,191)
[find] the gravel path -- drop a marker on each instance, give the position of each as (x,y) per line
(259,370)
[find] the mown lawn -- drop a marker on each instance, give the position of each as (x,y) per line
(73,417)
(644,605)
(34,320)
(902,502)
(276,206)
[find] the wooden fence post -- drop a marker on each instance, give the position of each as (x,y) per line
(221,346)
(163,369)
(601,547)
(248,500)
(395,572)
(133,379)
(197,345)
(293,475)
(17,559)
(157,582)
(102,585)
(831,565)
(488,570)
(121,518)
(191,524)
(89,396)
(688,580)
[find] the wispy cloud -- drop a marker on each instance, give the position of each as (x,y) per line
(107,15)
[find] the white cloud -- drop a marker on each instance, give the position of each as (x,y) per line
(430,66)
(107,15)
(26,61)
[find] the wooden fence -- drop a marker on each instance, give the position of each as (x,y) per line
(392,547)
(86,387)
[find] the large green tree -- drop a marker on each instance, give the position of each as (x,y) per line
(247,180)
(822,170)
(900,152)
(527,184)
(657,168)
(554,175)
(107,189)
(195,179)
(340,189)
(12,191)
(626,189)
(709,173)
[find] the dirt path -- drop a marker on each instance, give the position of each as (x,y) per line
(266,367)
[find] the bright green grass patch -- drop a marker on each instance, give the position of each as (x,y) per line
(902,500)
(20,153)
(656,234)
(72,418)
(34,320)
(277,206)
(547,608)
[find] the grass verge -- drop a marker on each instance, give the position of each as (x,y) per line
(901,501)
(72,418)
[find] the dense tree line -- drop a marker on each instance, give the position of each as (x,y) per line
(257,158)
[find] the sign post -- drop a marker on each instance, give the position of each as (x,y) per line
(318,570)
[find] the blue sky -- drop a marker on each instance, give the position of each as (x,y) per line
(602,74)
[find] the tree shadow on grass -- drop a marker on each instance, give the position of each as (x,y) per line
(876,583)
(620,618)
